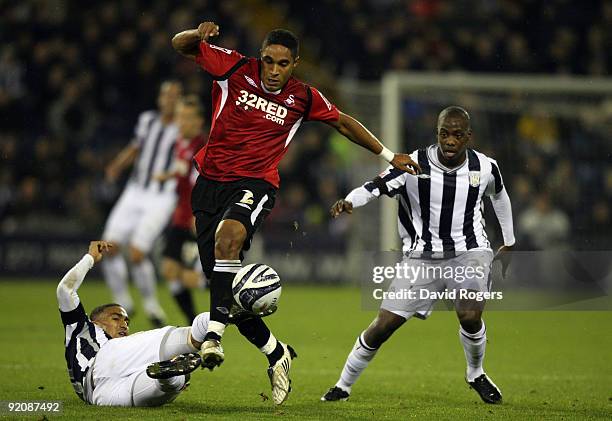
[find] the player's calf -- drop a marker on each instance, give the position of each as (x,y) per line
(382,327)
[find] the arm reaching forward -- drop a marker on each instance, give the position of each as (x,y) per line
(388,183)
(357,133)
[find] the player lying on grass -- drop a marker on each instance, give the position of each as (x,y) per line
(440,223)
(109,367)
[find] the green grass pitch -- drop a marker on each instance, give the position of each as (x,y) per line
(549,365)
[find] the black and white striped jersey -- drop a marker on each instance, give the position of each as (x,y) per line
(83,338)
(156,144)
(440,211)
(83,341)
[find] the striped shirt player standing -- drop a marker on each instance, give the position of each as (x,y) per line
(109,367)
(257,109)
(146,204)
(446,247)
(180,252)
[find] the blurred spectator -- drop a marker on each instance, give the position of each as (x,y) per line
(72,115)
(542,226)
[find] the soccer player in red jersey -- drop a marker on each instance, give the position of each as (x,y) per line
(177,268)
(257,108)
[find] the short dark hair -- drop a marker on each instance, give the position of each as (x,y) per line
(456,112)
(285,38)
(193,101)
(96,312)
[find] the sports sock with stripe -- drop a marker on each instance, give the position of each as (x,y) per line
(474,345)
(356,362)
(256,331)
(221,296)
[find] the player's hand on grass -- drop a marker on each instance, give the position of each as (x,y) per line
(341,206)
(405,163)
(208,30)
(504,255)
(99,248)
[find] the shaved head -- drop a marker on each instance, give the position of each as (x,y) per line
(457,112)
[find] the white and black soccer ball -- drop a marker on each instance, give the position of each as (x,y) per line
(257,289)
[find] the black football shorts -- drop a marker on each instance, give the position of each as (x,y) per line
(176,239)
(247,200)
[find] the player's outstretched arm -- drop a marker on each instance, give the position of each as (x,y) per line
(357,133)
(124,159)
(356,198)
(187,42)
(67,296)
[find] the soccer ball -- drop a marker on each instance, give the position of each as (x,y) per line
(256,289)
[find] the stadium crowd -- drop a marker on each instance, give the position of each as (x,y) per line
(73,79)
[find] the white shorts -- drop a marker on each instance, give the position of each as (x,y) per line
(118,373)
(468,271)
(139,217)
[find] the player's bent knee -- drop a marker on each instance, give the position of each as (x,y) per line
(470,321)
(382,328)
(136,255)
(170,269)
(113,251)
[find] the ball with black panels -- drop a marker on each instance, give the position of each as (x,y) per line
(256,289)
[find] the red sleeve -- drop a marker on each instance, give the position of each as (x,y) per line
(320,108)
(217,61)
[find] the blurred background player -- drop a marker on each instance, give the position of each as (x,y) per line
(108,367)
(441,226)
(180,253)
(258,108)
(146,204)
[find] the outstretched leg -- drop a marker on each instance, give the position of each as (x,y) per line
(229,239)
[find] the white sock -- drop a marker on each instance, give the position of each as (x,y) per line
(474,345)
(145,280)
(199,327)
(115,273)
(270,345)
(217,327)
(176,343)
(357,361)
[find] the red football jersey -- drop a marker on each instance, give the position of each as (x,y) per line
(251,126)
(184,150)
